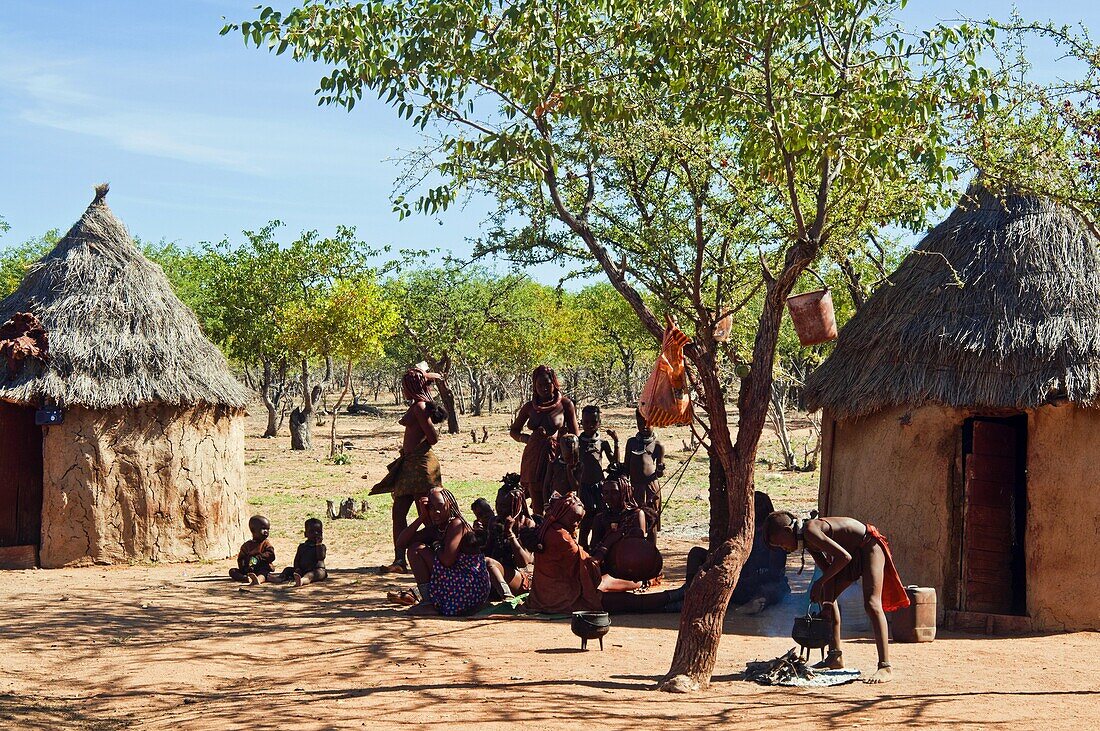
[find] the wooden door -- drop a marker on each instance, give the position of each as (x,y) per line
(995,509)
(20,476)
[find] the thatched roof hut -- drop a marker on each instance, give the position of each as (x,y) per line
(996,307)
(147,463)
(959,405)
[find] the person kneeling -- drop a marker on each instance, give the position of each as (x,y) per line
(846,551)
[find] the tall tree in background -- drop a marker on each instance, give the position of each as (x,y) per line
(450,310)
(699,154)
(349,321)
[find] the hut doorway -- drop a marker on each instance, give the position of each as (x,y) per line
(994,515)
(20,484)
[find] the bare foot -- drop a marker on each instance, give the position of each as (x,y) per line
(884,674)
(833,661)
(297,579)
(754,606)
(253,579)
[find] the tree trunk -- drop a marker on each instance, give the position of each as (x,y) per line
(336,412)
(706,602)
(719,503)
(301,430)
(269,403)
(448,398)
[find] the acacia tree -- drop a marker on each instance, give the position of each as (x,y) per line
(701,153)
(244,287)
(348,322)
(450,312)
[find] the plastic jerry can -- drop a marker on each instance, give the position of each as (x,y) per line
(916,622)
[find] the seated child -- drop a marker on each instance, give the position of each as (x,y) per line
(561,473)
(846,551)
(645,459)
(255,559)
(483,514)
(593,449)
(507,560)
(309,560)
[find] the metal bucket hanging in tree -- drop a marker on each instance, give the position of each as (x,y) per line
(812,316)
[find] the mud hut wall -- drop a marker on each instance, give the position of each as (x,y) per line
(893,469)
(1063,521)
(152,483)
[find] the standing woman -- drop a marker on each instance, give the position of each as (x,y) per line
(548,415)
(416,471)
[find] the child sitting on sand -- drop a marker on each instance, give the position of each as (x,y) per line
(309,560)
(257,556)
(846,551)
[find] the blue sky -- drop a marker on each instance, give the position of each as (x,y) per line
(202,137)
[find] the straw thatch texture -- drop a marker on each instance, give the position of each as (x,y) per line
(998,307)
(119,336)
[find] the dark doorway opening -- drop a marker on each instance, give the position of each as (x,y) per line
(995,515)
(20,476)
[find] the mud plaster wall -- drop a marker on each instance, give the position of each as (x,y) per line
(1063,520)
(893,469)
(153,483)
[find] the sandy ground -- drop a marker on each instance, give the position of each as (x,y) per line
(159,647)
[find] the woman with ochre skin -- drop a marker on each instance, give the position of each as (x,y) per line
(846,551)
(567,579)
(416,471)
(548,415)
(445,558)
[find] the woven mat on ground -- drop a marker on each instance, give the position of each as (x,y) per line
(512,609)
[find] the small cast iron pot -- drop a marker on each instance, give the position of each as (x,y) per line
(811,632)
(591,626)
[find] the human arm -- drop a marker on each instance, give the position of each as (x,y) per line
(658,460)
(521,555)
(420,413)
(452,543)
(414,531)
(569,412)
(612,452)
(516,430)
(825,551)
(266,552)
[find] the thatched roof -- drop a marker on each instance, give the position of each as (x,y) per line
(998,307)
(118,335)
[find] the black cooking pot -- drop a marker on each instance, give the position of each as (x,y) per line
(590,626)
(812,632)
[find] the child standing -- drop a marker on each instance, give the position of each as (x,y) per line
(846,551)
(256,557)
(645,461)
(593,448)
(309,560)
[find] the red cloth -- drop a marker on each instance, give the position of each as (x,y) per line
(566,579)
(894,595)
(665,400)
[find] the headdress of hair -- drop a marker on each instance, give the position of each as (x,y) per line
(545,371)
(414,385)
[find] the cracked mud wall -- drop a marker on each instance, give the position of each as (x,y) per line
(893,469)
(1063,520)
(153,483)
